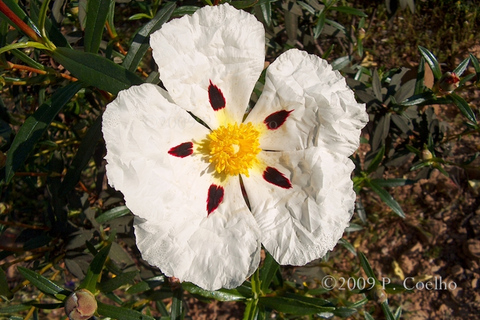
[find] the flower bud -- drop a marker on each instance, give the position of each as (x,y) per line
(361,34)
(80,305)
(448,82)
(426,155)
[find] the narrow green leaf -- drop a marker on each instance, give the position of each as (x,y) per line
(350,10)
(368,316)
(266,8)
(5,292)
(347,245)
(395,182)
(115,312)
(366,266)
(184,10)
(460,69)
(432,62)
(118,281)
(420,81)
(320,24)
(376,160)
(81,159)
(387,312)
(377,86)
(387,198)
(97,11)
(476,65)
(14,309)
(464,107)
(305,306)
(140,42)
(96,71)
(35,126)
(419,99)
(23,45)
(176,312)
(113,214)
(26,59)
(341,63)
(219,295)
(268,271)
(39,281)
(251,310)
(95,269)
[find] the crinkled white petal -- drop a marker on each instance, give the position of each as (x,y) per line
(325,111)
(218,44)
(217,251)
(139,128)
(302,223)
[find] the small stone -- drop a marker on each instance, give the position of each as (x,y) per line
(472,248)
(457,271)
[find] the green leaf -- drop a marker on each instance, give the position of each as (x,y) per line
(14,309)
(115,312)
(395,182)
(341,63)
(219,295)
(419,99)
(96,71)
(95,269)
(366,266)
(350,10)
(420,81)
(35,126)
(39,281)
(386,310)
(113,214)
(23,45)
(251,310)
(432,62)
(377,86)
(184,10)
(268,271)
(5,292)
(81,159)
(320,24)
(97,11)
(376,160)
(464,107)
(266,9)
(140,42)
(347,245)
(118,281)
(295,305)
(460,69)
(176,312)
(53,33)
(476,65)
(386,197)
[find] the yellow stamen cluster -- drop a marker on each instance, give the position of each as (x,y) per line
(233,149)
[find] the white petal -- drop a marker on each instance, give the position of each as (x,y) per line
(325,111)
(218,44)
(140,126)
(302,223)
(217,251)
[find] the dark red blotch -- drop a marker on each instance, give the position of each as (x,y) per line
(215,197)
(215,95)
(277,178)
(182,150)
(276,119)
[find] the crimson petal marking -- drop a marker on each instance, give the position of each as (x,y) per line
(276,119)
(182,150)
(215,197)
(215,95)
(277,178)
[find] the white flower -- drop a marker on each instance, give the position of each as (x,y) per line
(183,181)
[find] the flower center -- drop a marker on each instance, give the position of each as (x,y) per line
(233,149)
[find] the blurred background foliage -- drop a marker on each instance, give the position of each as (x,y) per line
(62,228)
